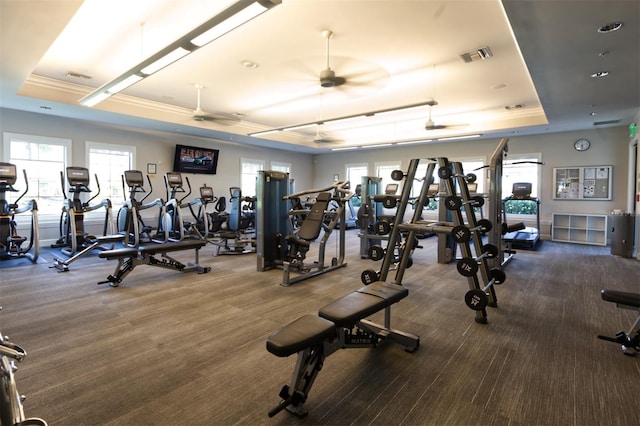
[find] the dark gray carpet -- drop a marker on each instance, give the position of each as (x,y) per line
(167,348)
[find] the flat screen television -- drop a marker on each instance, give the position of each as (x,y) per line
(191,159)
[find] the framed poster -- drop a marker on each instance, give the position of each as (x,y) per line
(583,183)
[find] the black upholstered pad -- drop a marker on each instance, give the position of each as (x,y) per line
(353,307)
(167,247)
(621,297)
(392,293)
(306,331)
(118,253)
(312,224)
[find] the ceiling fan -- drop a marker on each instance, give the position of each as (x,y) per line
(431,125)
(199,115)
(323,138)
(328,76)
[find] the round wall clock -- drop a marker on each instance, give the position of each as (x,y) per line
(582,145)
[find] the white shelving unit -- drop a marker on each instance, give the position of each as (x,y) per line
(580,228)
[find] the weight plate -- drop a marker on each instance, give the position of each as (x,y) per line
(389,202)
(369,276)
(382,227)
(397,175)
(460,234)
(476,299)
(467,266)
(498,275)
(491,250)
(453,202)
(478,201)
(375,252)
(444,172)
(471,177)
(485,224)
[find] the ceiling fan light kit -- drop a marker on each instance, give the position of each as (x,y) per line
(236,14)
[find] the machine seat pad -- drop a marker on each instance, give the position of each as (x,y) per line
(621,297)
(293,240)
(305,332)
(348,310)
(116,238)
(391,293)
(120,253)
(167,247)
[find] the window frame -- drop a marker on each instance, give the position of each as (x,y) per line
(44,217)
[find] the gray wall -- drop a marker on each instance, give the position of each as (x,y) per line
(608,147)
(150,148)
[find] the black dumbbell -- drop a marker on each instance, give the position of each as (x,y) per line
(382,227)
(397,175)
(376,252)
(446,173)
(453,202)
(369,276)
(477,299)
(468,266)
(462,233)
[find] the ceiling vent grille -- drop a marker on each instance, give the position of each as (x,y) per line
(74,74)
(476,55)
(603,123)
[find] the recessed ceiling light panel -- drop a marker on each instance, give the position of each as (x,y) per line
(610,27)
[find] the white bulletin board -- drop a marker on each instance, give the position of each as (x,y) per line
(583,183)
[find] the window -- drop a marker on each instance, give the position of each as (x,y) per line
(521,168)
(248,175)
(43,158)
(281,167)
(109,162)
(384,169)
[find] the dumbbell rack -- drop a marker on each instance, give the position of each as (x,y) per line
(452,176)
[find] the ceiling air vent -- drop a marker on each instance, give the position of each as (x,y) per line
(476,55)
(603,123)
(74,74)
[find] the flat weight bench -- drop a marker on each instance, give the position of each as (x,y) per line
(339,325)
(129,258)
(630,341)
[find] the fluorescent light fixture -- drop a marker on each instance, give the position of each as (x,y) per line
(96,99)
(301,126)
(233,22)
(459,137)
(238,13)
(349,148)
(380,145)
(167,59)
(118,87)
(341,119)
(414,142)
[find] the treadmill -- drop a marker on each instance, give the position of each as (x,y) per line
(528,236)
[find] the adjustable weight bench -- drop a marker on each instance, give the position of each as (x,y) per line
(129,258)
(339,325)
(630,341)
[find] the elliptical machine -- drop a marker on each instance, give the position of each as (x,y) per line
(73,235)
(177,229)
(129,219)
(11,243)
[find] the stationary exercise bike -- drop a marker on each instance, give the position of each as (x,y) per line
(12,245)
(73,234)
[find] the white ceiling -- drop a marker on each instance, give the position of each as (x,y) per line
(392,53)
